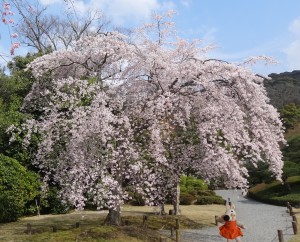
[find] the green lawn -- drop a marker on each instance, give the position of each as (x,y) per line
(91,227)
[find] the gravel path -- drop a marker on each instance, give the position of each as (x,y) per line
(262,221)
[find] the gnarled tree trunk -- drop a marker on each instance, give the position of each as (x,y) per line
(113,217)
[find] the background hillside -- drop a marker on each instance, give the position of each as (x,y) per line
(284,88)
(284,93)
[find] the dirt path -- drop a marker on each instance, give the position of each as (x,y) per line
(262,222)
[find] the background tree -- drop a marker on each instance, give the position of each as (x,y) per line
(45,32)
(290,115)
(13,89)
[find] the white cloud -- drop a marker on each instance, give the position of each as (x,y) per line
(120,12)
(81,7)
(131,9)
(209,35)
(292,51)
(50,2)
(185,3)
(123,11)
(295,27)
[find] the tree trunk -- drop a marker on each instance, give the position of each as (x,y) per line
(114,214)
(37,207)
(176,199)
(162,209)
(113,217)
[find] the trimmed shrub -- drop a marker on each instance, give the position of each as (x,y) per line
(18,186)
(202,200)
(187,199)
(196,190)
(195,183)
(276,193)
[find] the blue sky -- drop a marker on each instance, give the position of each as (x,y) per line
(240,28)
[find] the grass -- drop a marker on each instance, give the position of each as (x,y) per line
(276,193)
(92,226)
(296,238)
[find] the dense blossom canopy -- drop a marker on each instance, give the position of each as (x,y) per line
(138,112)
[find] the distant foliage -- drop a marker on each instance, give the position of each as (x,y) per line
(290,115)
(259,174)
(52,203)
(292,151)
(17,187)
(283,88)
(13,89)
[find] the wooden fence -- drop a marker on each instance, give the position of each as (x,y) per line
(294,224)
(33,228)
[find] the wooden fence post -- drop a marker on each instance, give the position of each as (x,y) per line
(295,227)
(28,229)
(177,231)
(291,211)
(280,235)
(54,229)
(145,218)
(177,235)
(295,219)
(163,239)
(216,219)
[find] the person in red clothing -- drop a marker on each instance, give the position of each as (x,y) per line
(231,229)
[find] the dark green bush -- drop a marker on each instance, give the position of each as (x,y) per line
(53,204)
(194,189)
(18,186)
(206,193)
(202,200)
(192,183)
(10,208)
(187,199)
